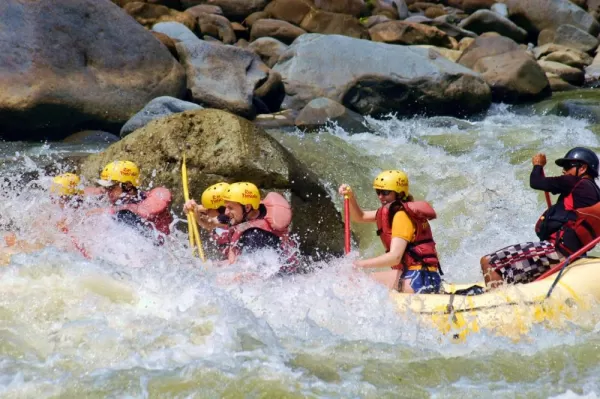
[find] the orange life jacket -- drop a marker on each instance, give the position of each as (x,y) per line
(568,227)
(277,221)
(154,208)
(421,251)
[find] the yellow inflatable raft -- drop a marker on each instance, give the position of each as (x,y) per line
(511,311)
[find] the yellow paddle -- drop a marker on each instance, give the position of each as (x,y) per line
(192,226)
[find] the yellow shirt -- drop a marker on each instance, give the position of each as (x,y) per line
(403,227)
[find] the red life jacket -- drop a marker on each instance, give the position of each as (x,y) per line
(421,251)
(277,221)
(154,208)
(579,226)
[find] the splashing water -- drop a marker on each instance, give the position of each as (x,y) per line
(139,320)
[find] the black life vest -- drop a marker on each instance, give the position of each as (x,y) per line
(570,228)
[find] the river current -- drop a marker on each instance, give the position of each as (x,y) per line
(140,321)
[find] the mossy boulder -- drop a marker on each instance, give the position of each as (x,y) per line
(221,146)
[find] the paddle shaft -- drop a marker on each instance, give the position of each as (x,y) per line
(574,256)
(194,235)
(546,193)
(346,224)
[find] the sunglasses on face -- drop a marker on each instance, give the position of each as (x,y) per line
(383,192)
(571,165)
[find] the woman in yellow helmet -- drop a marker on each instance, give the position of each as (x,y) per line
(148,211)
(403,226)
(66,192)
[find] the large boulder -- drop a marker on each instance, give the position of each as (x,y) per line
(562,54)
(512,73)
(64,68)
(537,15)
(222,76)
(332,66)
(220,146)
(155,109)
(234,10)
(567,73)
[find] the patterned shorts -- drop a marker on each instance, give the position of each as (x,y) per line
(423,281)
(523,263)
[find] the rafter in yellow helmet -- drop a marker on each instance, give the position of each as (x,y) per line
(244,193)
(66,184)
(394,180)
(212,197)
(120,172)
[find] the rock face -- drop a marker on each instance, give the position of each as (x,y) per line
(220,146)
(350,71)
(222,76)
(157,108)
(537,15)
(512,73)
(114,67)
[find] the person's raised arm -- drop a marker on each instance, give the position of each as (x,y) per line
(356,212)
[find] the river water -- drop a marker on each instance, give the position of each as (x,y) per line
(140,321)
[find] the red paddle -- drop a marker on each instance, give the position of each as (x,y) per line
(346,224)
(546,193)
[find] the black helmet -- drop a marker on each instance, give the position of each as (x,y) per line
(584,155)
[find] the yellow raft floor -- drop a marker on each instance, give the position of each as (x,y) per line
(511,310)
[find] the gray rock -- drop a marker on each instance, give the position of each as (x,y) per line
(157,108)
(482,21)
(571,36)
(222,76)
(500,9)
(78,62)
(321,111)
(176,31)
(339,67)
(537,15)
(402,9)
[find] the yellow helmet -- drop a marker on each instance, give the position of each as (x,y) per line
(244,193)
(212,197)
(394,180)
(66,184)
(120,172)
